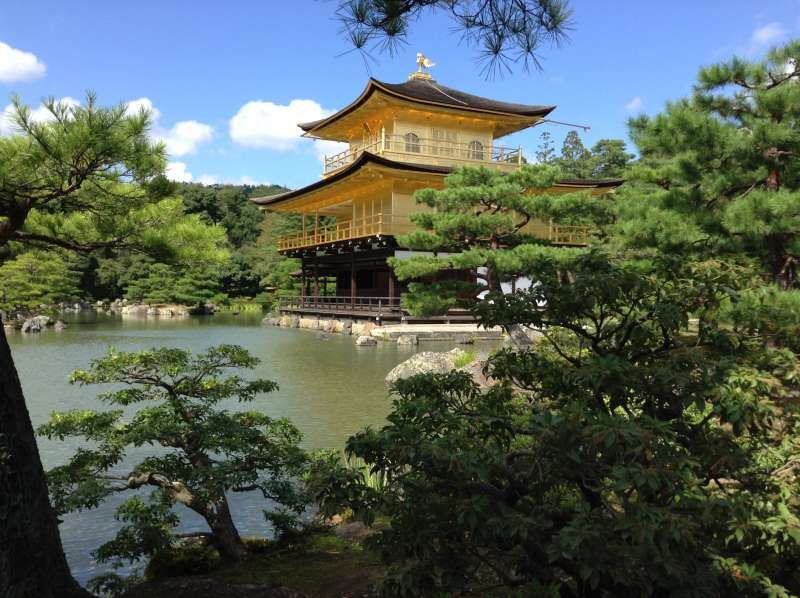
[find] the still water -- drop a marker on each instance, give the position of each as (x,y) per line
(328,388)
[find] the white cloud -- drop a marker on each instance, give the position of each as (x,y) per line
(176,171)
(208,179)
(765,37)
(17,66)
(768,34)
(261,124)
(213,179)
(134,106)
(635,105)
(182,139)
(186,136)
(39,114)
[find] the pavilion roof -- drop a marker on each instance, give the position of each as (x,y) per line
(368,158)
(431,93)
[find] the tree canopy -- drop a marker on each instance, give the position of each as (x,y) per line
(211,450)
(719,171)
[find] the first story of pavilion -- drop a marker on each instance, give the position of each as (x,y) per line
(351,224)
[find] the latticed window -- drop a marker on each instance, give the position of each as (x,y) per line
(412,142)
(475,150)
(444,142)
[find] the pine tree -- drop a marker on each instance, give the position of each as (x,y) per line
(545,152)
(720,171)
(88,179)
(610,159)
(481,220)
(505,31)
(36,278)
(575,160)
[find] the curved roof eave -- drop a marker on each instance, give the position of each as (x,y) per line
(396,90)
(367,157)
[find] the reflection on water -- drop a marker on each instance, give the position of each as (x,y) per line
(328,388)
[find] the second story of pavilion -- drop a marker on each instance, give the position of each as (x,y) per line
(421,121)
(402,138)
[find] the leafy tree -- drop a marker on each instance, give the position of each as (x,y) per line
(545,153)
(153,285)
(210,451)
(630,452)
(719,172)
(35,278)
(239,277)
(575,159)
(610,159)
(479,220)
(228,206)
(506,32)
(89,179)
(198,286)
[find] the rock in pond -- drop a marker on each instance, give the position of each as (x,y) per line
(366,341)
(59,325)
(425,362)
(31,325)
(407,339)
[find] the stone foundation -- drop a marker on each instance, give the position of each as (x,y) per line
(461,333)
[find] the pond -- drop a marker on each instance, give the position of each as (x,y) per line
(328,388)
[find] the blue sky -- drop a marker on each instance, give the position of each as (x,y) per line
(229,79)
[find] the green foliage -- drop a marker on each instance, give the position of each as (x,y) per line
(207,450)
(631,452)
(575,158)
(190,559)
(545,152)
(35,278)
(505,32)
(479,219)
(719,173)
(608,158)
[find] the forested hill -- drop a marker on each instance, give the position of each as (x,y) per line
(247,261)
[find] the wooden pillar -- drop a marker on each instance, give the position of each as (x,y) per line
(353,288)
(302,280)
(316,284)
(391,288)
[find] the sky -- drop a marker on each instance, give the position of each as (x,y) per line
(227,81)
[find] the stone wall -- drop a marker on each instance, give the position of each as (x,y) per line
(459,333)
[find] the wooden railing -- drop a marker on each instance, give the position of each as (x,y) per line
(376,305)
(414,148)
(370,226)
(391,225)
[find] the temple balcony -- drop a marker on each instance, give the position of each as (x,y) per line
(413,149)
(390,225)
(375,225)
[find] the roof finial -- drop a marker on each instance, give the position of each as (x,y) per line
(423,63)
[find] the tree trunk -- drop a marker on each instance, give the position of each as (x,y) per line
(781,264)
(225,535)
(32,561)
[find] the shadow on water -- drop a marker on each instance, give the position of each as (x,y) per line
(329,389)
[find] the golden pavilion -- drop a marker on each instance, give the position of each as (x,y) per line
(401,137)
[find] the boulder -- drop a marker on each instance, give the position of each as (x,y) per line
(426,362)
(407,339)
(347,327)
(42,320)
(366,341)
(59,325)
(465,339)
(137,309)
(31,325)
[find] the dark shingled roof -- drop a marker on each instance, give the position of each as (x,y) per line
(431,92)
(367,157)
